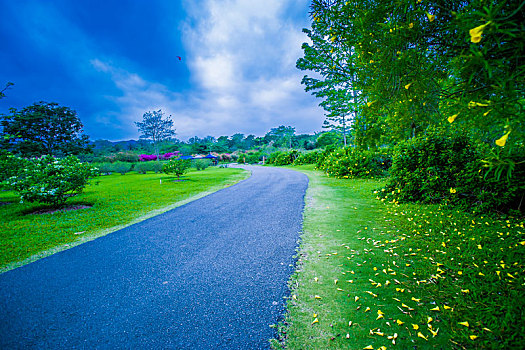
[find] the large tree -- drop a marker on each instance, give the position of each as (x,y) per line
(156,128)
(44,128)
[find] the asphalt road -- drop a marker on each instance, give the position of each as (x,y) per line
(211,274)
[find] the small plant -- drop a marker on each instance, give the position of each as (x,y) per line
(201,164)
(177,167)
(50,180)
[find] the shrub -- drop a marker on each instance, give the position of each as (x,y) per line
(351,162)
(283,158)
(142,167)
(104,168)
(201,164)
(50,180)
(177,167)
(121,167)
(147,157)
(127,157)
(307,158)
(9,166)
(445,167)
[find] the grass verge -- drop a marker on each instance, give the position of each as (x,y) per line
(376,275)
(116,201)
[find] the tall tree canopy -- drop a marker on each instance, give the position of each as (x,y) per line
(43,129)
(409,64)
(156,128)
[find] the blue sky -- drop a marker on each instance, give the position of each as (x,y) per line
(113,60)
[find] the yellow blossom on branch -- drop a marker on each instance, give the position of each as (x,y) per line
(476,33)
(503,140)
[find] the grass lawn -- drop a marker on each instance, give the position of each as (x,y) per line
(373,274)
(117,201)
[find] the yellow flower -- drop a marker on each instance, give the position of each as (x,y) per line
(430,17)
(369,347)
(453,190)
(503,140)
(472,337)
(476,33)
(415,326)
(407,86)
(435,308)
(452,117)
(399,322)
(369,103)
(464,324)
(411,25)
(419,334)
(315,321)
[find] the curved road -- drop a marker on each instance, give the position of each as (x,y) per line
(211,274)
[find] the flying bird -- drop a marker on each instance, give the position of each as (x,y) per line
(180,58)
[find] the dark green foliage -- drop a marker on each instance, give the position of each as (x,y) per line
(283,158)
(446,167)
(43,129)
(51,180)
(177,167)
(143,167)
(352,162)
(307,158)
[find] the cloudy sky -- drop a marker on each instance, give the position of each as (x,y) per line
(113,60)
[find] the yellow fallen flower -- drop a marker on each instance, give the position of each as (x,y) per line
(407,86)
(452,118)
(472,336)
(399,322)
(476,33)
(464,324)
(503,140)
(419,334)
(430,17)
(315,321)
(415,326)
(435,308)
(369,347)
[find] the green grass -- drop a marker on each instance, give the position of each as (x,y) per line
(117,201)
(370,273)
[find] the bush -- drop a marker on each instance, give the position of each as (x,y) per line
(283,158)
(9,166)
(121,167)
(351,162)
(127,157)
(104,168)
(307,158)
(142,167)
(447,168)
(177,167)
(201,164)
(50,180)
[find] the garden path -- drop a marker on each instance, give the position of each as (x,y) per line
(211,274)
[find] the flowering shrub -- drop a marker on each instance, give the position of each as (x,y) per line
(165,156)
(177,167)
(307,158)
(283,158)
(9,166)
(50,180)
(351,162)
(444,167)
(147,157)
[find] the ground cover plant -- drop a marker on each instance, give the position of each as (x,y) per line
(116,201)
(378,275)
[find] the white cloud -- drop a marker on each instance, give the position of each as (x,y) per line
(241,55)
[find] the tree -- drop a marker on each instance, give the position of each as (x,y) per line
(282,135)
(155,128)
(44,129)
(177,167)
